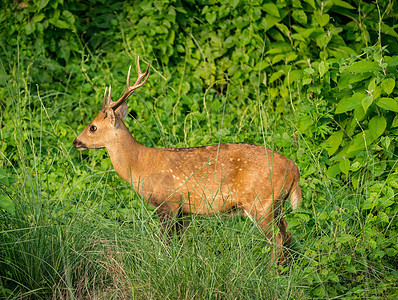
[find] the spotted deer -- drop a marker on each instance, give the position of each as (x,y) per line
(250,179)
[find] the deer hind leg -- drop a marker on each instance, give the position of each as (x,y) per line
(266,218)
(287,238)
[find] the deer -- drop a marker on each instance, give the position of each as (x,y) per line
(250,179)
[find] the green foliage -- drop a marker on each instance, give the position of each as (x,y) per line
(314,80)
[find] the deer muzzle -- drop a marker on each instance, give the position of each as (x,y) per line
(79,145)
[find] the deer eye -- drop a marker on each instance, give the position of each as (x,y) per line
(93,128)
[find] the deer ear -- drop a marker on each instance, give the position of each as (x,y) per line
(110,114)
(122,111)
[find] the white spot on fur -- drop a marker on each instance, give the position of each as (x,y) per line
(238,159)
(171,171)
(231,159)
(240,169)
(174,176)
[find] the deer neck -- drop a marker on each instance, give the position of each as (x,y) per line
(127,156)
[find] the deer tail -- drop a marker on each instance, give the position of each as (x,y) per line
(296,197)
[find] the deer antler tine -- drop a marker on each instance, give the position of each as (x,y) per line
(138,64)
(104,99)
(109,95)
(128,78)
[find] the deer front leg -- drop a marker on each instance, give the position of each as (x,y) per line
(182,225)
(167,219)
(172,219)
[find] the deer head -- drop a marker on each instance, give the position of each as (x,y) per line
(102,130)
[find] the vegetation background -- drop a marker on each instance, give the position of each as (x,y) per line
(314,80)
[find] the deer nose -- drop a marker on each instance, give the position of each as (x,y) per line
(78,144)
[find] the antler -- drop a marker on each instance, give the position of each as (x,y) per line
(142,78)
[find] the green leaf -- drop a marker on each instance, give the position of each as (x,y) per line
(271,21)
(342,3)
(388,30)
(347,79)
(370,203)
(41,4)
(64,50)
(7,204)
(392,61)
(30,28)
(359,113)
(395,122)
(363,66)
(68,17)
(351,269)
(211,17)
(388,104)
(37,18)
(271,9)
(344,238)
(377,125)
(4,178)
(344,165)
(348,104)
(391,252)
(323,68)
(333,171)
(323,19)
(372,85)
(358,143)
(333,142)
(366,102)
(275,76)
(388,85)
(300,16)
(310,2)
(382,217)
(59,23)
(294,75)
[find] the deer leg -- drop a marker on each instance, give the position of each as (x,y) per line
(182,225)
(172,220)
(167,220)
(265,218)
(286,238)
